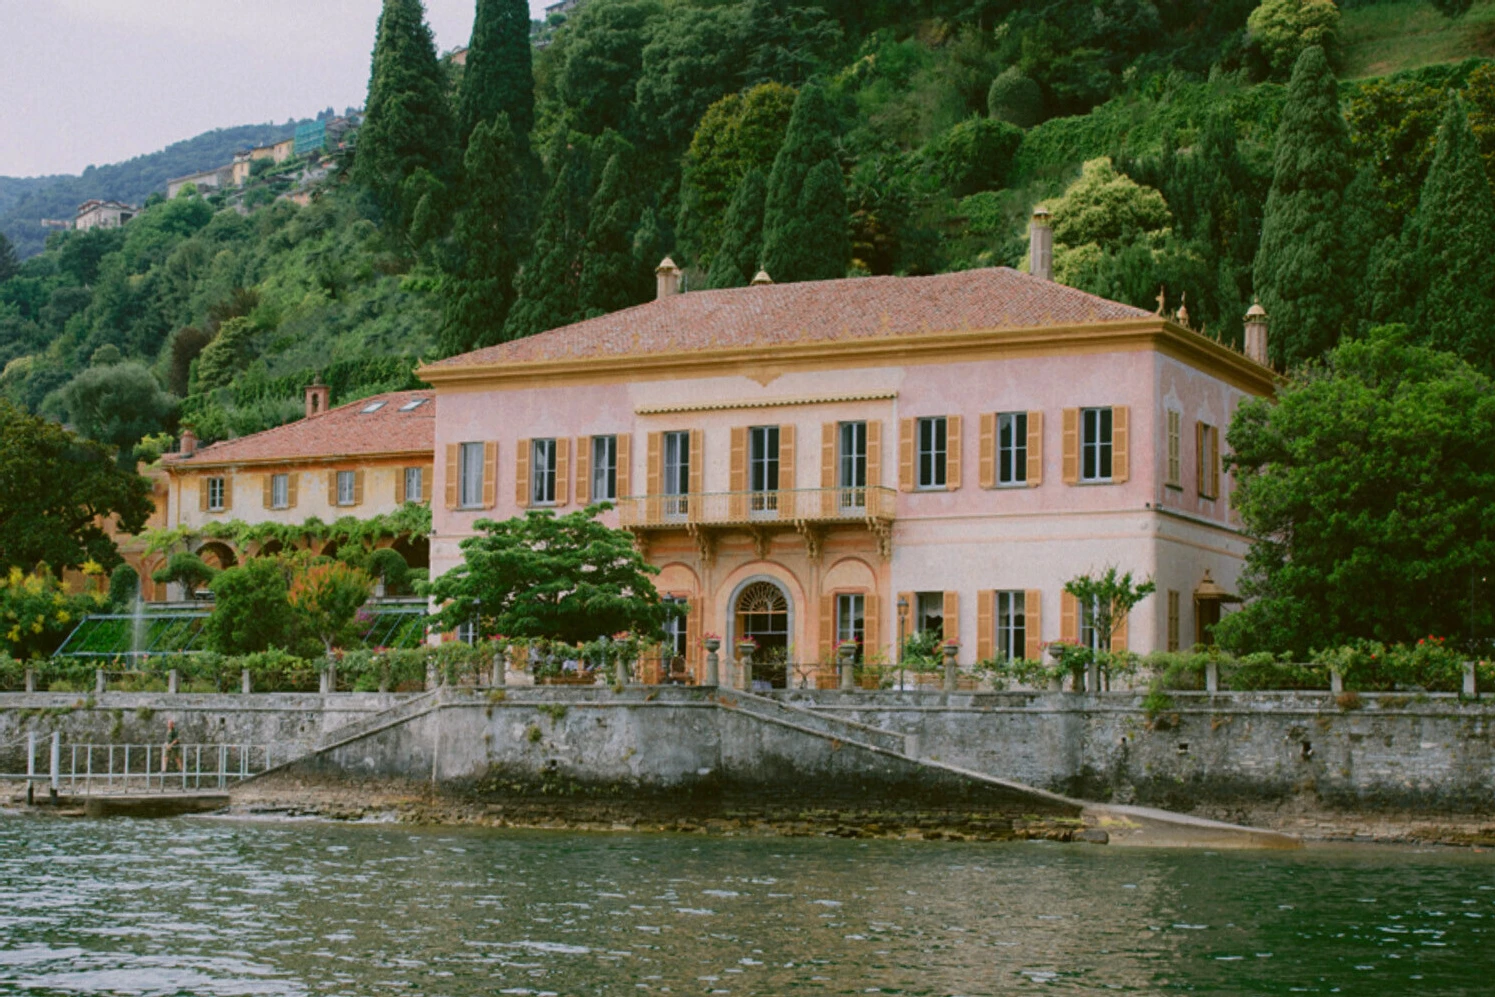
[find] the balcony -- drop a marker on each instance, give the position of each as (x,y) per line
(806,510)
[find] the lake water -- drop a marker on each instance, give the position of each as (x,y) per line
(203,906)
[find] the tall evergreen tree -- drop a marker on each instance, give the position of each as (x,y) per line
(549,284)
(1302,276)
(480,293)
(408,122)
(1438,279)
(736,262)
(9,265)
(499,77)
(793,230)
(611,275)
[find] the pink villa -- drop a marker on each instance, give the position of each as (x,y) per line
(862,459)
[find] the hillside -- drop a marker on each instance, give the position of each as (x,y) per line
(24,202)
(1394,35)
(932,131)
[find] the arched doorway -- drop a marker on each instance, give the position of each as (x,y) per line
(761,611)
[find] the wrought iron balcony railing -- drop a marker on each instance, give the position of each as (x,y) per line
(801,505)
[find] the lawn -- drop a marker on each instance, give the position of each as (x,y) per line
(1404,34)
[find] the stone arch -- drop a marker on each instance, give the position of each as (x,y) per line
(218,553)
(849,573)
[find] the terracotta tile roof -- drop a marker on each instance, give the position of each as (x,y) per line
(814,311)
(343,431)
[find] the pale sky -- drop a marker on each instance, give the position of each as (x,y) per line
(100,81)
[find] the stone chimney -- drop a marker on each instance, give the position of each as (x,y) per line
(1256,335)
(762,278)
(1041,244)
(189,442)
(668,276)
(318,397)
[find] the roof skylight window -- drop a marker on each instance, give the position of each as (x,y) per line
(413,404)
(373,407)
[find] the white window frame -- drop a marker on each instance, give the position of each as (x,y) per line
(851,620)
(851,464)
(217,492)
(1012,449)
(676,483)
(1012,625)
(1088,634)
(280,491)
(347,487)
(931,452)
(1097,438)
(604,469)
(415,484)
(543,458)
(929,605)
(470,473)
(676,629)
(763,469)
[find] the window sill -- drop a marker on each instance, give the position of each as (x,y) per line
(1172,487)
(1009,485)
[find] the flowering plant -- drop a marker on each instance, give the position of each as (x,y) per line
(747,642)
(711,636)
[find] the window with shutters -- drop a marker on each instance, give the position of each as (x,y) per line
(851,470)
(1095,444)
(1173,620)
(471,476)
(929,613)
(851,620)
(1012,448)
(280,491)
(675,644)
(542,467)
(1209,468)
(1089,633)
(604,468)
(415,484)
(763,468)
(932,456)
(676,483)
(217,490)
(1175,449)
(347,487)
(1012,625)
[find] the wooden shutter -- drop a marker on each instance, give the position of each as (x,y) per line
(1118,633)
(269,491)
(906,455)
(1069,618)
(952,616)
(1121,464)
(737,469)
(1072,446)
(787,477)
(871,627)
(697,464)
(827,628)
(654,475)
(1214,461)
(202,494)
(332,488)
(228,492)
(625,465)
(490,475)
(874,453)
(400,473)
(453,474)
(1033,624)
(693,635)
(291,478)
(1201,480)
(910,600)
(952,453)
(1035,449)
(583,470)
(427,482)
(1173,620)
(986,467)
(521,474)
(828,432)
(358,487)
(986,624)
(563,470)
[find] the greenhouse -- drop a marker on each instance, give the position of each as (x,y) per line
(110,635)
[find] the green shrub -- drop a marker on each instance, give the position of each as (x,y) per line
(1015,99)
(124,586)
(975,155)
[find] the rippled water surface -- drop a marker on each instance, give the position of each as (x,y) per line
(199,906)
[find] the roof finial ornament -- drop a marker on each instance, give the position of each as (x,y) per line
(1183,310)
(762,278)
(1162,298)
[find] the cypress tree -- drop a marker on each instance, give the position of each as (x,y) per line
(1447,250)
(408,123)
(499,76)
(1302,276)
(736,261)
(611,277)
(549,284)
(794,229)
(479,295)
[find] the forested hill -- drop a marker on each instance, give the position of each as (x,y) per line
(25,201)
(1333,163)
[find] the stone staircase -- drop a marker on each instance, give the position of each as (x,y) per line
(815,721)
(399,713)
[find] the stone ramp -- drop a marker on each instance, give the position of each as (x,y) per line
(813,720)
(398,713)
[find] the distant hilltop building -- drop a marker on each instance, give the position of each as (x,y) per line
(103,214)
(218,176)
(564,7)
(276,151)
(458,55)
